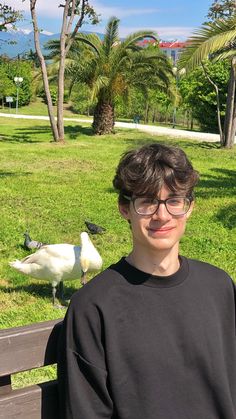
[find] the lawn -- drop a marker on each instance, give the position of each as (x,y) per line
(38,107)
(52,189)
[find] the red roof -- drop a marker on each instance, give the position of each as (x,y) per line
(174,44)
(164,44)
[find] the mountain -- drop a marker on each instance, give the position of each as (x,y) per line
(14,43)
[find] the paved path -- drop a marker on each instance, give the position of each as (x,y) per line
(152,129)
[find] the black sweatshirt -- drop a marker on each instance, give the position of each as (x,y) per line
(138,346)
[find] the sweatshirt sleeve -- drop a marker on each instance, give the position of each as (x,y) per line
(82,375)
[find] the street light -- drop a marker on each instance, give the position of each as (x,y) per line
(18,81)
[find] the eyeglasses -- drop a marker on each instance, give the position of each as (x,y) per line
(176,205)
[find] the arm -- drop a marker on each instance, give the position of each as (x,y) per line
(82,374)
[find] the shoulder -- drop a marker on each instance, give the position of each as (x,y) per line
(98,289)
(208,273)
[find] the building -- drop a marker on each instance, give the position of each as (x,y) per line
(171,48)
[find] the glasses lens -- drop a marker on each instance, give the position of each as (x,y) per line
(148,206)
(145,206)
(177,205)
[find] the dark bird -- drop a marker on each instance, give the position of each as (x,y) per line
(30,244)
(94,229)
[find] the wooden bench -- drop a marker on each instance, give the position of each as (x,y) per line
(21,349)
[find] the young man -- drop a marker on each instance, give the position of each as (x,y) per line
(153,336)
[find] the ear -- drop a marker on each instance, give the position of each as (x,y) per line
(124,211)
(190,210)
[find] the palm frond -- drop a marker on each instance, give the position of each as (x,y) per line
(210,38)
(100,83)
(111,37)
(138,36)
(91,39)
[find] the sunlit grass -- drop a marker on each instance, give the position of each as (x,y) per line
(52,189)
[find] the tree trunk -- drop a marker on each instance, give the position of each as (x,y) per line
(146,118)
(103,119)
(71,8)
(230,115)
(191,123)
(217,102)
(44,71)
(60,92)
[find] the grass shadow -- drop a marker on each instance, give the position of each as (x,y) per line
(210,146)
(40,290)
(220,184)
(26,135)
(175,142)
(6,174)
(227,216)
(73,131)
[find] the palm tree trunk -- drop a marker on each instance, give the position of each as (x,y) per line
(103,119)
(230,115)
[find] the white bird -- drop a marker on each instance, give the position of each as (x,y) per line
(61,262)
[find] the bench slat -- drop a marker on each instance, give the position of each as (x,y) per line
(34,402)
(32,346)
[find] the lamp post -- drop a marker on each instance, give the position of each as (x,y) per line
(18,81)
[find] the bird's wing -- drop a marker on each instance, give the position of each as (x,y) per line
(61,251)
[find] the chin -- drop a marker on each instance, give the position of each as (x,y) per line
(162,244)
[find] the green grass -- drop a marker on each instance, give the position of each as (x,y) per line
(52,189)
(38,107)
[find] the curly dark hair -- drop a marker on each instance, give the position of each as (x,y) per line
(143,172)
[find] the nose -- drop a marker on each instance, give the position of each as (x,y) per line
(161,213)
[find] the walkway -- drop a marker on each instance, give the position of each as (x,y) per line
(152,129)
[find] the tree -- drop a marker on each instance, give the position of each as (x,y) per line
(111,66)
(74,13)
(221,9)
(8,70)
(198,95)
(8,16)
(216,41)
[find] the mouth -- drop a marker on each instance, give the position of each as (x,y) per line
(160,230)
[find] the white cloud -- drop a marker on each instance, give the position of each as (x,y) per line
(46,7)
(164,32)
(43,7)
(120,12)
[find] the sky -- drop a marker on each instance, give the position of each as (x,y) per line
(172,19)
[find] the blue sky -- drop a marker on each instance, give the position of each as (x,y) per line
(171,19)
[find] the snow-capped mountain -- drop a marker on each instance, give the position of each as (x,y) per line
(14,43)
(18,42)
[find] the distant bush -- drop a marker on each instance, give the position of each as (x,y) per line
(16,68)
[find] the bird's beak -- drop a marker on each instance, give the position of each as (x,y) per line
(84,263)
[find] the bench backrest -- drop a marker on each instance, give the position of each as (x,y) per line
(21,349)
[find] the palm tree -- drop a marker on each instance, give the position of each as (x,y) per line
(110,67)
(216,41)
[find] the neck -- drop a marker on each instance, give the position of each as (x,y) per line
(159,263)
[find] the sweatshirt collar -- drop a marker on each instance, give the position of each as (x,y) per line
(137,277)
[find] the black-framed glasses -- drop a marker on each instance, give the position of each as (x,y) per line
(175,205)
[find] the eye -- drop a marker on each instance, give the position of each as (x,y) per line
(144,201)
(175,202)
